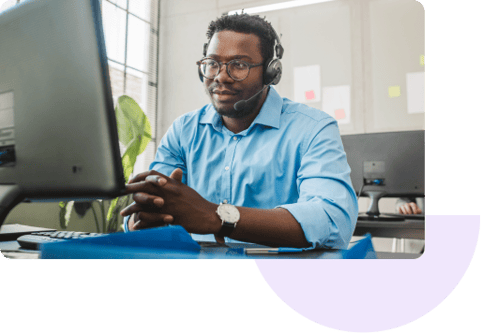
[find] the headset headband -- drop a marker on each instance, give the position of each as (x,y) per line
(279,50)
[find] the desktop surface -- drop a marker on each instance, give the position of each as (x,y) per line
(11,250)
(211,250)
(412,229)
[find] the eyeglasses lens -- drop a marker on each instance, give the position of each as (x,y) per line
(237,69)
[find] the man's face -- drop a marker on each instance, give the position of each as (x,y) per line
(223,91)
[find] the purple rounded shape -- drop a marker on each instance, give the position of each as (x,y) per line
(374,295)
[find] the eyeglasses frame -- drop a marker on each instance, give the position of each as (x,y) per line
(227,67)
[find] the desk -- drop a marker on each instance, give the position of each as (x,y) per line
(212,250)
(413,229)
(209,250)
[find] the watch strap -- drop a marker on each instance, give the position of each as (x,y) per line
(226,229)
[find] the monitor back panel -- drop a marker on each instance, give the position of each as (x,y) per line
(56,108)
(395,157)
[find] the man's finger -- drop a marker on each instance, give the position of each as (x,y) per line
(415,208)
(152,220)
(148,199)
(141,176)
(177,175)
(131,209)
(156,180)
(142,186)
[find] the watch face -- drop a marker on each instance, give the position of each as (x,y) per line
(229,213)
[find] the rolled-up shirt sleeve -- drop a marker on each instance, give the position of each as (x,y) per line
(327,207)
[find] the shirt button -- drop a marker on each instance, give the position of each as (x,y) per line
(235,138)
(226,168)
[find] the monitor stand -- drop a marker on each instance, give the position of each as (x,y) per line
(373,213)
(10,196)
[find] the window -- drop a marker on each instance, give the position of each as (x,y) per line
(131,29)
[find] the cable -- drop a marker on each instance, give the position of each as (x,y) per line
(360,191)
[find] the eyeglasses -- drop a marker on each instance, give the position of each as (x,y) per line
(237,69)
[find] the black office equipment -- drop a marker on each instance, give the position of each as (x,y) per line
(13,231)
(58,132)
(34,240)
(419,217)
(387,164)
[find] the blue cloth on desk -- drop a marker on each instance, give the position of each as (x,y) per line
(291,157)
(173,242)
(362,250)
(164,242)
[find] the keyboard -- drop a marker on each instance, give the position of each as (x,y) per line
(408,216)
(32,241)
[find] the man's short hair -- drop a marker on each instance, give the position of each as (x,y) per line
(248,24)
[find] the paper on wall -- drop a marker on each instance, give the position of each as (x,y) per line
(336,101)
(307,84)
(415,92)
(394,91)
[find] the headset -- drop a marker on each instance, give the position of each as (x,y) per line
(272,67)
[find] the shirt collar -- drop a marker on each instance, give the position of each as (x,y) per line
(270,112)
(269,115)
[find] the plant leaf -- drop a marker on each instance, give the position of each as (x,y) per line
(65,213)
(63,209)
(113,203)
(129,158)
(132,122)
(124,126)
(134,130)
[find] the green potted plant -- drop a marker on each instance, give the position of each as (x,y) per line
(135,133)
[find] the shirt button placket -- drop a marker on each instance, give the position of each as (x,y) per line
(228,161)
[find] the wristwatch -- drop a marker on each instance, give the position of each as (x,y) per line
(229,215)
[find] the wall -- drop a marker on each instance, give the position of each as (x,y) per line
(367,44)
(47,215)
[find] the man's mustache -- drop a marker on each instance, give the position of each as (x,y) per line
(217,86)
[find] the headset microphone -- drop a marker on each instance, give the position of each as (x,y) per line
(241,105)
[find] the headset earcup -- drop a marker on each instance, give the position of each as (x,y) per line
(273,72)
(204,52)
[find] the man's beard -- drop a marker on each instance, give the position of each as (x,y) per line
(230,112)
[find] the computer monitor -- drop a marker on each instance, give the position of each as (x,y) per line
(387,164)
(58,132)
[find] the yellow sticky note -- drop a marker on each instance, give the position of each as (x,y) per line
(421,59)
(394,91)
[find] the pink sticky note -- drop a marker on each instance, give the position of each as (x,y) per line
(340,114)
(310,94)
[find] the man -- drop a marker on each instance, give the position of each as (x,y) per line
(267,171)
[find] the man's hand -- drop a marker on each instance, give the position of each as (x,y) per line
(160,200)
(148,209)
(409,208)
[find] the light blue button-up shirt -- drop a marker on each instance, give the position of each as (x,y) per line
(291,156)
